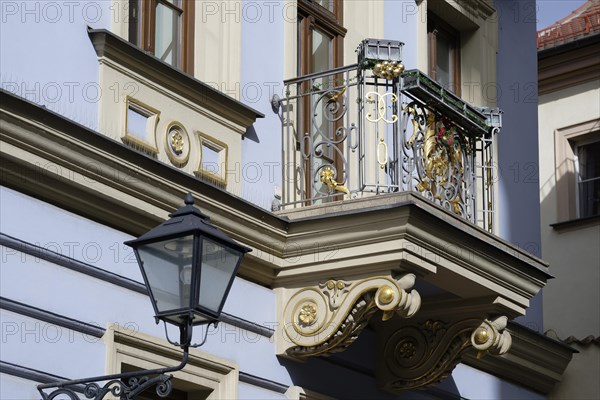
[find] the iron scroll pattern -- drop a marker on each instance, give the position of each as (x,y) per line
(117,388)
(438,160)
(348,133)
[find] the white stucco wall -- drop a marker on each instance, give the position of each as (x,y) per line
(571,299)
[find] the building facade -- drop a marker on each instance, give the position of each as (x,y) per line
(569,191)
(386,198)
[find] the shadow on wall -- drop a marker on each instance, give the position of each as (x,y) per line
(351,375)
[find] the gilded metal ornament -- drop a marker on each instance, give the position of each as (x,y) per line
(176,141)
(308,314)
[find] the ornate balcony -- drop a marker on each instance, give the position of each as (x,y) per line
(373,128)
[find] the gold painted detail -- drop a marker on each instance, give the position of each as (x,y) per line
(491,337)
(424,353)
(440,148)
(307,314)
(176,142)
(388,69)
(328,317)
(481,336)
(386,295)
(327,177)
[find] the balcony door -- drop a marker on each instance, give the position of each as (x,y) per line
(320,48)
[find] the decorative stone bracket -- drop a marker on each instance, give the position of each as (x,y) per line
(328,317)
(424,353)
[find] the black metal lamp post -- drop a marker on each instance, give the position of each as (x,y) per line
(188,266)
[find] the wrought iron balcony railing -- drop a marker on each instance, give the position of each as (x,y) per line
(373,128)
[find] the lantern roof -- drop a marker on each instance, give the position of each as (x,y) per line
(187,220)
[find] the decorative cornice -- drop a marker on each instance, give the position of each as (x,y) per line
(534,360)
(109,45)
(568,65)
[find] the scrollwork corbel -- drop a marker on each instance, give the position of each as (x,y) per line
(327,317)
(491,337)
(423,353)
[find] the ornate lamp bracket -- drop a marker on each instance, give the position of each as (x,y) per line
(329,316)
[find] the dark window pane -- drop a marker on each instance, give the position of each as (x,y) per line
(588,160)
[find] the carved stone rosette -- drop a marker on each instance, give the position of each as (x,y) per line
(328,317)
(425,353)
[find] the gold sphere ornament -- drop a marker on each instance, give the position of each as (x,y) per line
(386,295)
(481,336)
(401,67)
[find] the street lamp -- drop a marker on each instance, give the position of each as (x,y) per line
(188,266)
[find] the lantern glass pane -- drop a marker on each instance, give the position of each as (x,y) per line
(168,268)
(218,269)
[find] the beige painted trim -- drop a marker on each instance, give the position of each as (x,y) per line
(561,70)
(534,360)
(203,371)
(149,145)
(566,180)
(223,150)
(178,161)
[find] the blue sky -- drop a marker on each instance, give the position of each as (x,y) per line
(550,11)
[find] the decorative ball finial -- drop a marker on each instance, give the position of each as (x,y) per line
(189,199)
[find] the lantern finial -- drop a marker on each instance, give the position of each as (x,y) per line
(189,199)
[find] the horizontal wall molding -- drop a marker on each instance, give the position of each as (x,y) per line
(70,263)
(33,375)
(51,318)
(263,383)
(106,276)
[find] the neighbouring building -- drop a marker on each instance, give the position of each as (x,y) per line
(569,143)
(376,156)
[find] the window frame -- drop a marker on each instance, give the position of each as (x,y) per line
(566,140)
(590,139)
(436,25)
(148,144)
(312,16)
(142,31)
(127,346)
(219,179)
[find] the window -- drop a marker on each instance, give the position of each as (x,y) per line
(205,376)
(213,160)
(164,28)
(140,126)
(577,160)
(320,48)
(320,35)
(587,166)
(443,53)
